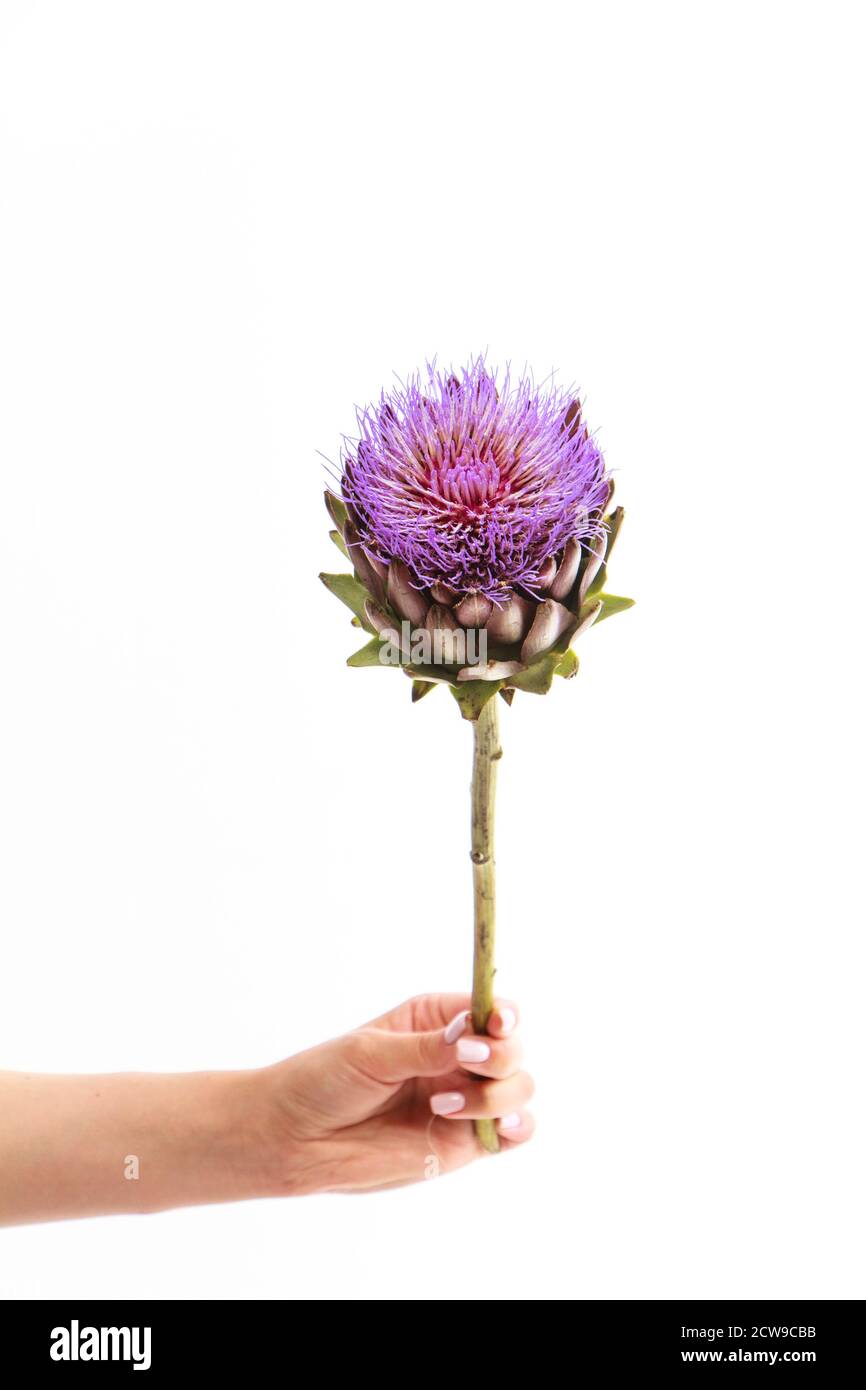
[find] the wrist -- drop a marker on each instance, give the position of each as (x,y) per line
(206,1139)
(227,1137)
(288,1163)
(244,1134)
(216,1139)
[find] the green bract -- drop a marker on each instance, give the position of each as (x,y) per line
(529,638)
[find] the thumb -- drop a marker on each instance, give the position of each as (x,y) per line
(396,1057)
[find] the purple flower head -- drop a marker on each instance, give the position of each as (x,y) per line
(474,482)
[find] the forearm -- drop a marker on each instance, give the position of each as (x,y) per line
(95,1145)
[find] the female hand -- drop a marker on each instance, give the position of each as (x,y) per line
(393,1102)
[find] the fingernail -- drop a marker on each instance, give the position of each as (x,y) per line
(456,1026)
(507,1020)
(510,1121)
(447,1103)
(468,1050)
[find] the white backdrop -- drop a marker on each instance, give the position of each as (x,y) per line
(224,224)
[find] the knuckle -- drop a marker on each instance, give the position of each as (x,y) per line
(507,1056)
(488,1102)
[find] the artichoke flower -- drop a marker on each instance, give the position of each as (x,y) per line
(476,515)
(476,512)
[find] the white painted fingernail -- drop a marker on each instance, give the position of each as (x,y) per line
(510,1121)
(447,1103)
(456,1027)
(507,1020)
(470,1050)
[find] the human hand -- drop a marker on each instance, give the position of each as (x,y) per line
(393,1102)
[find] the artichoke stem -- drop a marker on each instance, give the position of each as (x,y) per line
(487,753)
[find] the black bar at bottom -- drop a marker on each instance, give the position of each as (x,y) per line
(224,1338)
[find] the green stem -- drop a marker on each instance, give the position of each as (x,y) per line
(487,753)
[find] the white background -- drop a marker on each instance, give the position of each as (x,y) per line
(224,224)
